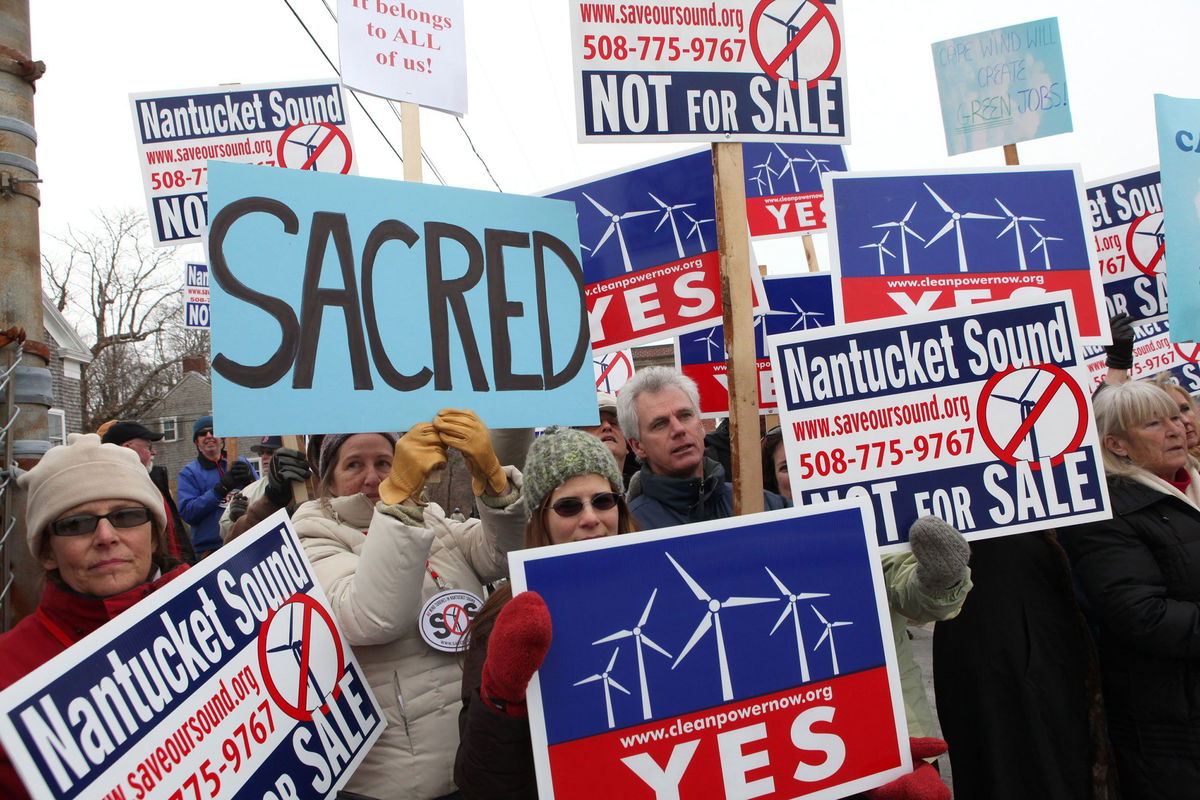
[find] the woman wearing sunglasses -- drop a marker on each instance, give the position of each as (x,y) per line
(572,489)
(94,521)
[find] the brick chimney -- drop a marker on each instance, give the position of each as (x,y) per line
(197,364)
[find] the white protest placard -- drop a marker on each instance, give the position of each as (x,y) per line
(232,678)
(711,71)
(413,51)
(1126,213)
(195,296)
(753,655)
(981,416)
(301,125)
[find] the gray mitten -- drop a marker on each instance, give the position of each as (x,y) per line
(941,552)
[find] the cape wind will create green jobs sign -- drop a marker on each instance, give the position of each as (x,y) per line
(346,304)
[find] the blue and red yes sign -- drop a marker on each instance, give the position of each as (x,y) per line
(751,653)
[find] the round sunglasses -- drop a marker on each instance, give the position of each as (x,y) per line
(573,506)
(81,524)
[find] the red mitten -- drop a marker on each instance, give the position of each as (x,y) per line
(923,783)
(518,644)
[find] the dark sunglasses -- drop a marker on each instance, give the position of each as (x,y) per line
(204,432)
(82,524)
(573,506)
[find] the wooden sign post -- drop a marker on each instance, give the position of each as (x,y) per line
(737,299)
(410,133)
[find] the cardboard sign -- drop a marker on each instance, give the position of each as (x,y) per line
(783,186)
(199,690)
(301,125)
(649,241)
(1179,160)
(1153,352)
(195,296)
(1002,86)
(795,302)
(613,370)
(711,71)
(979,416)
(1127,227)
(905,242)
(349,305)
(745,657)
(414,51)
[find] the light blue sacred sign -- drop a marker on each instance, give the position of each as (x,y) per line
(343,304)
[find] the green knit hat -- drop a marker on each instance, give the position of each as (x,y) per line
(560,454)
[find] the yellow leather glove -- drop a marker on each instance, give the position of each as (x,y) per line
(466,433)
(418,453)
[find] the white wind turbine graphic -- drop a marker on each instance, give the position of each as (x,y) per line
(817,162)
(709,342)
(1042,244)
(879,246)
(604,678)
(955,222)
(905,232)
(792,161)
(792,598)
(696,223)
(760,320)
(639,638)
(1014,225)
(712,618)
(765,167)
(669,214)
(758,180)
(614,224)
(828,634)
(802,316)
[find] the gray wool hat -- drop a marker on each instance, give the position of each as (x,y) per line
(82,470)
(560,454)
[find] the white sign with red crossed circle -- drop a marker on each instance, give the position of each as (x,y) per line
(711,70)
(981,416)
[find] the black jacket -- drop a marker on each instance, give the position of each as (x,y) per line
(657,501)
(1140,573)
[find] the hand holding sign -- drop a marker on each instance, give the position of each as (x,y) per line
(418,453)
(465,432)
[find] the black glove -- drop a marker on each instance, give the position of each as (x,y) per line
(1120,352)
(286,466)
(238,476)
(238,503)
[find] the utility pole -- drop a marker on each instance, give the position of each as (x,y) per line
(24,358)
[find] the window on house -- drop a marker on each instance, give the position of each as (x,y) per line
(57,419)
(169,426)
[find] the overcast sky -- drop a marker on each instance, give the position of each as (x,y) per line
(521,102)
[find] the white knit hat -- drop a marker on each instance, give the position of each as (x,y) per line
(80,471)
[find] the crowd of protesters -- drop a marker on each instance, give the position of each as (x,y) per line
(1066,663)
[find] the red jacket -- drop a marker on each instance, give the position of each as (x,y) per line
(62,618)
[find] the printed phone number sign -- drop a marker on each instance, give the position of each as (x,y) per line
(300,125)
(905,242)
(346,305)
(981,417)
(195,296)
(705,71)
(1002,86)
(1153,352)
(745,657)
(1126,214)
(197,691)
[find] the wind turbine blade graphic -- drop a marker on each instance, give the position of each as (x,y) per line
(646,641)
(787,609)
(611,227)
(599,207)
(646,613)
(824,635)
(701,629)
(588,679)
(723,662)
(613,660)
(911,209)
(939,200)
(613,637)
(820,616)
(945,229)
(779,583)
(747,601)
(618,686)
(695,587)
